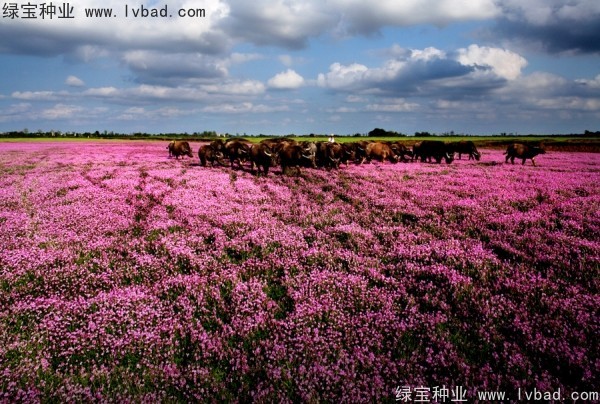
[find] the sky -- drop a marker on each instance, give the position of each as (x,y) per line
(281,67)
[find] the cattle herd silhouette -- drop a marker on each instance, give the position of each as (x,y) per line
(291,155)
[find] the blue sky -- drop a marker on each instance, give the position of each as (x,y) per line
(285,66)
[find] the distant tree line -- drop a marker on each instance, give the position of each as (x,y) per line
(107,135)
(377,132)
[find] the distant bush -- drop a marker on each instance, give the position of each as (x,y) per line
(378,132)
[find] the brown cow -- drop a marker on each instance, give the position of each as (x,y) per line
(292,154)
(179,148)
(381,152)
(522,151)
(277,143)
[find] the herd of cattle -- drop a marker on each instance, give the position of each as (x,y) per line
(291,154)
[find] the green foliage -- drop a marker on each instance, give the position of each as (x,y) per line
(378,132)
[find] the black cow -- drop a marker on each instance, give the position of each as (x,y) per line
(208,153)
(328,154)
(237,150)
(262,156)
(416,151)
(218,145)
(400,150)
(435,149)
(360,150)
(466,147)
(348,152)
(310,149)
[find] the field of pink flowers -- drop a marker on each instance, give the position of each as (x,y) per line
(129,276)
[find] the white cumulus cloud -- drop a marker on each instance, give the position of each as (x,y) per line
(61,111)
(287,80)
(39,95)
(340,76)
(593,83)
(427,54)
(74,81)
(504,63)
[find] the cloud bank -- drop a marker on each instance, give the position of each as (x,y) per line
(556,24)
(280,57)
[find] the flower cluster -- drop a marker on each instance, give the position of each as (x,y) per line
(127,276)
